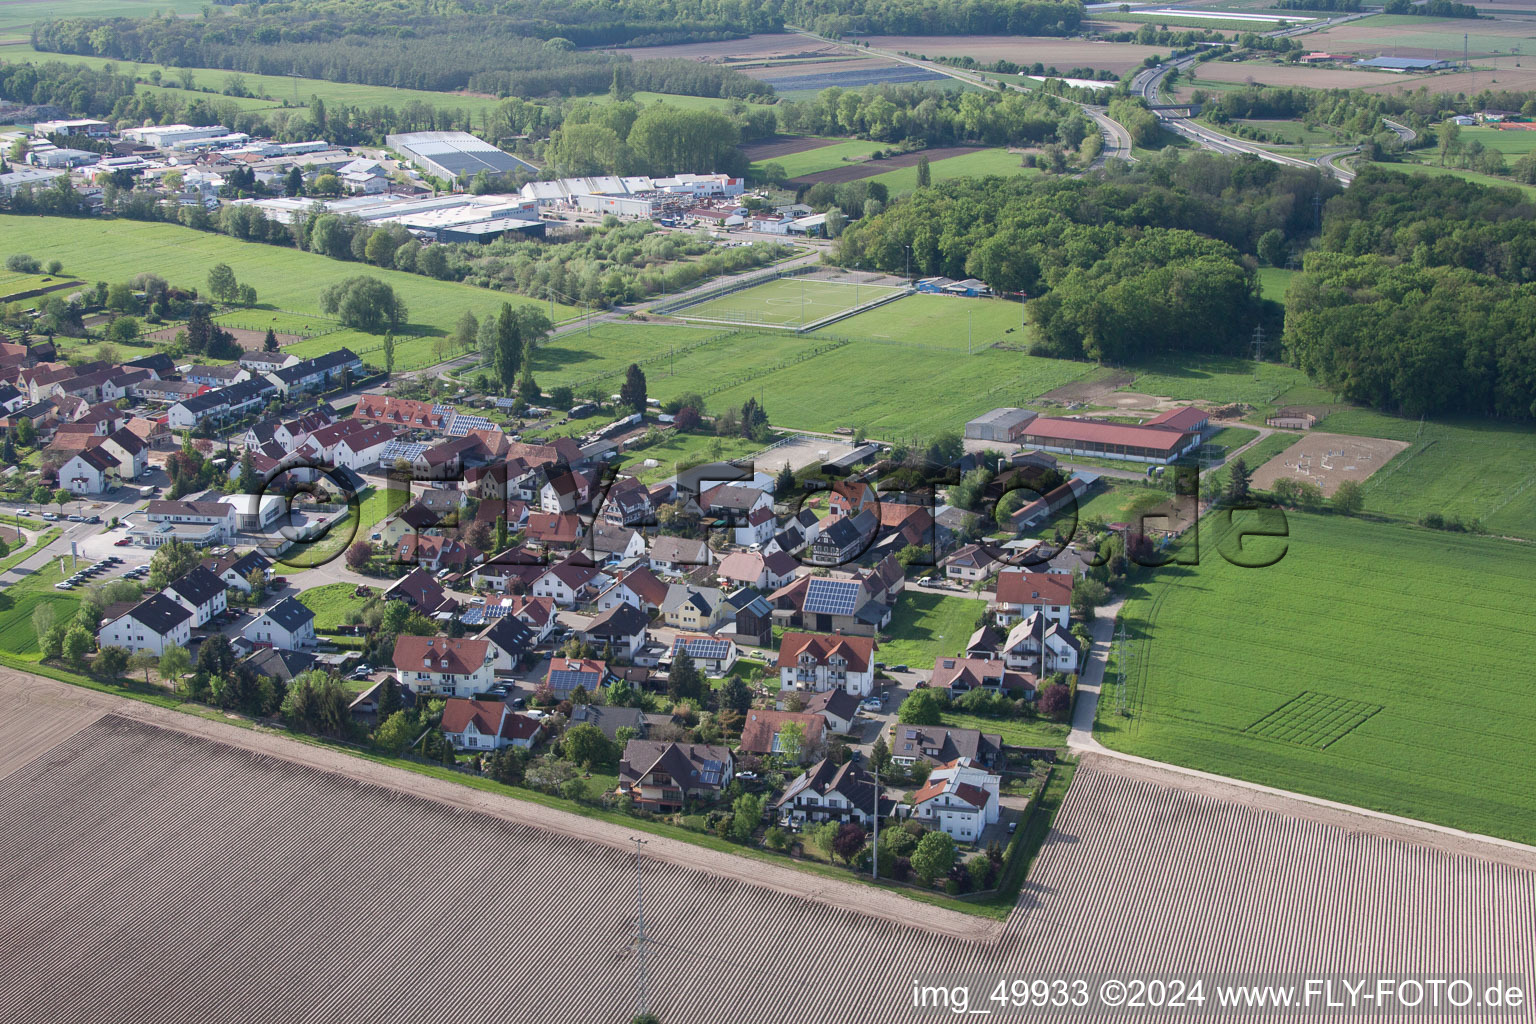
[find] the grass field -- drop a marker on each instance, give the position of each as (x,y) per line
(1513,142)
(789,301)
(331,604)
(114,250)
(936,321)
(1016,732)
(679,451)
(978,164)
(1457,172)
(17,636)
(1342,671)
(279,320)
(925,627)
(1209,378)
(1474,469)
(822,158)
(585,357)
(1274,282)
(13,284)
(16,19)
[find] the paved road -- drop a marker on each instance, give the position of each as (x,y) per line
(1091,680)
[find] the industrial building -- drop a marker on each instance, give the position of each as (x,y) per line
(169,134)
(1403,64)
(1161,439)
(999,425)
(455,217)
(455,155)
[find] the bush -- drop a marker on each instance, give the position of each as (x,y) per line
(21,263)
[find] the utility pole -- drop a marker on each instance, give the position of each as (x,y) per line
(1317,209)
(1258,343)
(1122,657)
(640,1009)
(909,263)
(970,330)
(874,860)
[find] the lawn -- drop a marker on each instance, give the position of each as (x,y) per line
(926,627)
(374,505)
(937,321)
(822,158)
(99,249)
(1208,378)
(1232,438)
(1457,172)
(1474,469)
(307,324)
(17,636)
(332,604)
(1343,671)
(19,555)
(967,165)
(585,357)
(13,284)
(785,301)
(680,451)
(1017,732)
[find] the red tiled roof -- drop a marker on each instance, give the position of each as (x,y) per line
(1101,432)
(1183,418)
(440,654)
(761,727)
(458,713)
(1016,587)
(858,651)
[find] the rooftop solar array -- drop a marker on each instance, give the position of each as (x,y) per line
(711,773)
(410,451)
(565,680)
(832,597)
(506,403)
(462,424)
(704,647)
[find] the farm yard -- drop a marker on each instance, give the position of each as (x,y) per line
(1351,652)
(786,302)
(1327,460)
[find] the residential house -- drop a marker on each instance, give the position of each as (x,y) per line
(487,725)
(566,674)
(1021,649)
(621,628)
(279,665)
(962,675)
(154,624)
(833,604)
(1020,594)
(614,543)
(436,553)
(571,583)
(265,362)
(627,503)
(827,791)
(609,719)
(638,588)
(843,539)
(676,555)
(459,667)
(818,663)
(713,656)
(837,707)
(958,799)
(315,374)
(661,776)
(750,617)
(217,376)
(513,569)
(200,592)
(971,563)
(849,498)
(939,744)
(512,639)
(235,569)
(92,471)
(287,624)
(697,609)
(403,412)
(549,531)
(420,591)
(763,733)
(536,614)
(130,451)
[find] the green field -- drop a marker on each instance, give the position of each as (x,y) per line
(978,164)
(1274,282)
(1443,34)
(332,604)
(1342,671)
(1215,481)
(925,627)
(1457,172)
(1512,142)
(16,19)
(1474,469)
(680,451)
(936,321)
(785,301)
(307,324)
(13,283)
(98,249)
(17,636)
(1209,378)
(584,357)
(1016,732)
(822,158)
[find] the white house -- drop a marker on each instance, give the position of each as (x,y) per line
(713,656)
(363,448)
(829,791)
(234,569)
(200,592)
(958,799)
(287,624)
(1021,650)
(199,523)
(622,627)
(130,451)
(1020,594)
(487,725)
(971,563)
(88,472)
(809,661)
(569,584)
(440,665)
(155,624)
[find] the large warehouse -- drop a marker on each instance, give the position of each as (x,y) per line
(454,155)
(1161,439)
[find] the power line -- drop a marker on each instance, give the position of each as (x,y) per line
(640,1004)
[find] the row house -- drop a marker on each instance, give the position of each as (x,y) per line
(155,624)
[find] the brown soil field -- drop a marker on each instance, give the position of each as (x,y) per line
(247,339)
(1504,75)
(1089,392)
(783,146)
(1431,37)
(1327,460)
(757,47)
(1291,74)
(1064,53)
(870,168)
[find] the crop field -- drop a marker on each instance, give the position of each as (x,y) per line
(1327,672)
(890,169)
(821,158)
(115,250)
(1049,50)
(16,18)
(1410,36)
(936,321)
(782,146)
(17,635)
(975,164)
(787,302)
(1513,142)
(855,74)
(1266,73)
(1212,378)
(1472,469)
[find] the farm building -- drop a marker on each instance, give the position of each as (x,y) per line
(455,155)
(1404,64)
(999,425)
(1162,439)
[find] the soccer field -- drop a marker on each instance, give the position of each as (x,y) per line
(787,302)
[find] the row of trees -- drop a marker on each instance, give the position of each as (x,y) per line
(623,138)
(938,117)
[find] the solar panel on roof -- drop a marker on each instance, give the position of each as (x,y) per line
(473,616)
(410,451)
(831,597)
(506,403)
(461,425)
(707,648)
(568,680)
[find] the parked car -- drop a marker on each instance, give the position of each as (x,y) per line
(93,519)
(52,517)
(899,668)
(278,582)
(124,542)
(22,512)
(75,517)
(1013,827)
(749,776)
(518,702)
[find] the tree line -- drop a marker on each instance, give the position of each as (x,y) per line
(935,17)
(937,117)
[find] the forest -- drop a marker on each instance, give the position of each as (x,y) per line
(936,117)
(623,138)
(934,17)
